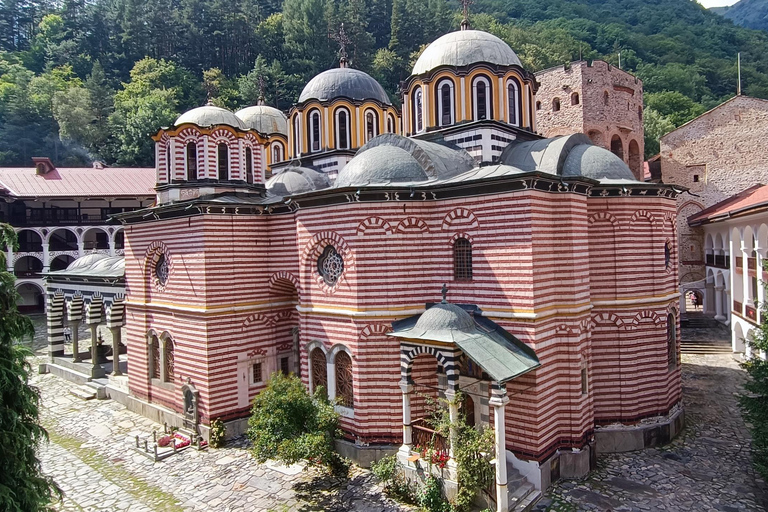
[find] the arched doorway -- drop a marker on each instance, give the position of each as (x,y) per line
(28,266)
(617,147)
(96,239)
(29,241)
(32,298)
(62,240)
(635,160)
(596,137)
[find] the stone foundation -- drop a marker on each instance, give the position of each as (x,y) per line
(623,438)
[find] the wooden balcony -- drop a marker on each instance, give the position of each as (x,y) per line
(709,259)
(751,313)
(738,307)
(739,262)
(721,261)
(425,437)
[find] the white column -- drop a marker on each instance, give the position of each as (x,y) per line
(719,303)
(498,401)
(760,287)
(747,292)
(407,388)
(9,256)
(453,415)
(330,371)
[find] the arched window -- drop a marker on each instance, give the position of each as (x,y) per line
(248,165)
(445,103)
(319,368)
(314,131)
(556,105)
(344,387)
(191,161)
(640,113)
(297,135)
(513,102)
(342,128)
(538,105)
(667,254)
(418,110)
(154,357)
(223,152)
(671,340)
(606,98)
(462,260)
(390,123)
(277,152)
(168,356)
(575,98)
(482,98)
(371,125)
(168,160)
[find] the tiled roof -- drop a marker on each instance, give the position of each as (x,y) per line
(78,182)
(742,203)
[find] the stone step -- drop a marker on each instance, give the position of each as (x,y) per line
(518,495)
(83,392)
(528,502)
(99,389)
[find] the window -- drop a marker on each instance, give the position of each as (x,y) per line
(606,98)
(223,152)
(671,340)
(584,389)
(482,98)
(390,123)
(344,388)
(330,265)
(256,373)
(462,260)
(191,161)
(538,105)
(513,103)
(445,103)
(319,369)
(695,178)
(342,128)
(556,105)
(667,254)
(285,365)
(371,125)
(168,353)
(248,165)
(640,113)
(296,136)
(277,153)
(418,110)
(314,132)
(161,269)
(154,358)
(575,98)
(168,160)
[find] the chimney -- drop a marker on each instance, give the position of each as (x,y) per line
(43,165)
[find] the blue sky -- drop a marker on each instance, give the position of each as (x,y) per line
(716,3)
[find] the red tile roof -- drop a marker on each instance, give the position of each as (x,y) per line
(743,203)
(78,182)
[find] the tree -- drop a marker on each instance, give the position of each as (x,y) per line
(754,403)
(289,425)
(23,487)
(655,127)
(673,105)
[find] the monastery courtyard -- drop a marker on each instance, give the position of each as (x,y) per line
(92,457)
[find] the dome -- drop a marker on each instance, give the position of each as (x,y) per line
(296,180)
(445,316)
(264,119)
(463,48)
(381,165)
(210,115)
(344,82)
(86,261)
(596,163)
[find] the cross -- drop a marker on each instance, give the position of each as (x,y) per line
(261,90)
(343,41)
(465,12)
(444,291)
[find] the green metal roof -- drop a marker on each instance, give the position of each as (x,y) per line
(501,355)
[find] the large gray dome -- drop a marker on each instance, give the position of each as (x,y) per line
(597,163)
(463,48)
(344,82)
(296,180)
(264,119)
(381,165)
(210,115)
(445,316)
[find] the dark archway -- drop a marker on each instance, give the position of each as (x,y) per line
(617,147)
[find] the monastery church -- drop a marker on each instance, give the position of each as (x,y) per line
(399,254)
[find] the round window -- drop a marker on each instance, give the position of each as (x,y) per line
(330,265)
(161,270)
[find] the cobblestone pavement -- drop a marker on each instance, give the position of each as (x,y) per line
(90,456)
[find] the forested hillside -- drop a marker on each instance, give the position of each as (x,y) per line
(748,13)
(84,80)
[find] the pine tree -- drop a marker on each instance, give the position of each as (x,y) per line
(23,487)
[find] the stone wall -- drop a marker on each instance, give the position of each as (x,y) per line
(614,123)
(715,156)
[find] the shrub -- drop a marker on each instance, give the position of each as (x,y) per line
(396,486)
(431,496)
(217,434)
(289,425)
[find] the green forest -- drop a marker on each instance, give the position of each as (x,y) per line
(81,80)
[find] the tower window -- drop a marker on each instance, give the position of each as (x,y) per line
(482,98)
(556,105)
(445,105)
(223,162)
(191,161)
(513,100)
(248,165)
(371,125)
(418,110)
(538,105)
(606,98)
(342,127)
(169,360)
(314,133)
(256,373)
(296,136)
(462,260)
(390,123)
(671,340)
(277,153)
(584,388)
(168,160)
(575,98)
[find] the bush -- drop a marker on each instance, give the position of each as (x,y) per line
(289,425)
(431,496)
(396,486)
(217,434)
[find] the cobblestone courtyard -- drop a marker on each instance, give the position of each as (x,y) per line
(90,456)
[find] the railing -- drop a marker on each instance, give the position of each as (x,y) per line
(710,260)
(95,245)
(752,265)
(721,261)
(27,273)
(738,307)
(424,437)
(751,313)
(739,264)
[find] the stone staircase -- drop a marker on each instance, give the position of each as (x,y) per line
(703,335)
(522,494)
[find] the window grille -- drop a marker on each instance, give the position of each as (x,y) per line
(191,162)
(512,101)
(482,110)
(169,360)
(161,269)
(330,265)
(319,370)
(344,386)
(248,165)
(154,358)
(256,373)
(223,151)
(284,366)
(462,260)
(343,136)
(445,100)
(315,131)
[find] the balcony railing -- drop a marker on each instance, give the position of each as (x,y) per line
(425,437)
(89,246)
(27,273)
(721,261)
(739,262)
(710,260)
(752,265)
(751,313)
(738,307)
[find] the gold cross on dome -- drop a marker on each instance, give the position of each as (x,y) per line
(343,40)
(465,12)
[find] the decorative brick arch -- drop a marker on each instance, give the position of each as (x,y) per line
(409,353)
(374,223)
(645,315)
(279,280)
(314,248)
(286,314)
(642,214)
(603,216)
(256,318)
(563,329)
(374,330)
(456,236)
(606,318)
(460,216)
(412,224)
(188,135)
(151,256)
(225,135)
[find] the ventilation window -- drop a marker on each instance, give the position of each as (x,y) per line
(695,178)
(556,105)
(584,389)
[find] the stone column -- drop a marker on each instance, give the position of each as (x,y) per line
(75,326)
(296,352)
(719,303)
(746,252)
(453,416)
(709,295)
(9,260)
(93,319)
(116,335)
(55,322)
(406,386)
(498,401)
